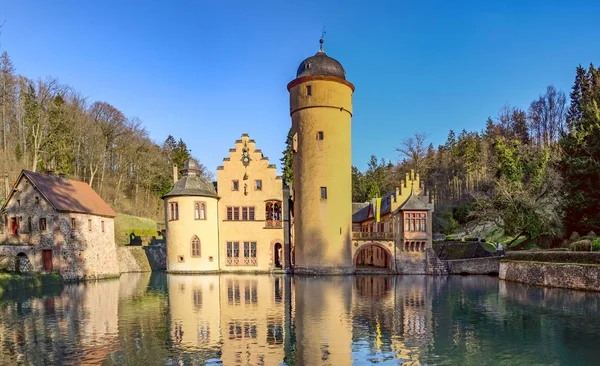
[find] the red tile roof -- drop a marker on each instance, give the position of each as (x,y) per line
(69,195)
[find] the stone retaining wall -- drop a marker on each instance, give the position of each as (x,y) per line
(142,259)
(482,266)
(572,276)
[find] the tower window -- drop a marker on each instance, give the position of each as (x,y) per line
(308,90)
(235,185)
(320,135)
(324,192)
(195,246)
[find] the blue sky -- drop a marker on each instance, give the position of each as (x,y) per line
(208,71)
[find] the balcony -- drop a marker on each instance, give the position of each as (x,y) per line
(273,224)
(372,236)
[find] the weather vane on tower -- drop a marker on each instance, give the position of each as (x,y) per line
(322,40)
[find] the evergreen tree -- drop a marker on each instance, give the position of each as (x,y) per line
(580,165)
(286,161)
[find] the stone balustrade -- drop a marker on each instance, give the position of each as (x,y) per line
(372,235)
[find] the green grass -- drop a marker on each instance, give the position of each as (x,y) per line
(15,281)
(140,226)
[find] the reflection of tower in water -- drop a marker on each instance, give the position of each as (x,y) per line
(194,311)
(322,320)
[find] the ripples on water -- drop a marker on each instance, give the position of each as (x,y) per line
(159,319)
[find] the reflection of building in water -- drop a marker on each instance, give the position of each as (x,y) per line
(323,321)
(252,319)
(79,325)
(239,319)
(194,312)
(413,306)
(391,318)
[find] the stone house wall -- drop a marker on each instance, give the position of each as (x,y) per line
(76,254)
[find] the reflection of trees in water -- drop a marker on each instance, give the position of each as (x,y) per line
(444,320)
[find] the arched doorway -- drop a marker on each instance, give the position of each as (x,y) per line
(372,255)
(23,264)
(278,255)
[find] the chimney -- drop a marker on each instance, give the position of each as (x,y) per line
(50,172)
(175,176)
(63,176)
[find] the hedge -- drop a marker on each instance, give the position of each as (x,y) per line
(555,257)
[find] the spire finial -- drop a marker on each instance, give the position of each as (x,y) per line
(322,40)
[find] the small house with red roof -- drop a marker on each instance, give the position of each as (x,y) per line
(55,224)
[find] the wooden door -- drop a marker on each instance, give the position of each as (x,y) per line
(14,226)
(47,259)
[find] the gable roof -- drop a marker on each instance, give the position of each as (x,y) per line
(67,195)
(414,203)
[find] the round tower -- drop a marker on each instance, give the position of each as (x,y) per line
(192,223)
(321,111)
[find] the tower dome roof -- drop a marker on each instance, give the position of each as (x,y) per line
(321,64)
(191,184)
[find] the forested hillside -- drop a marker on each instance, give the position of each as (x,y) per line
(47,125)
(534,173)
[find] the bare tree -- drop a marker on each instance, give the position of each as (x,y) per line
(547,116)
(414,151)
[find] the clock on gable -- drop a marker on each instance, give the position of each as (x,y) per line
(245,155)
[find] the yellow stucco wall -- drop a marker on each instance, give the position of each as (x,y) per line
(180,233)
(247,195)
(323,227)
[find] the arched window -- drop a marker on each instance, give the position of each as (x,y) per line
(195,246)
(273,213)
(269,210)
(202,211)
(196,211)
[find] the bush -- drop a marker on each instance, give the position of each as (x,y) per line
(591,236)
(581,246)
(596,245)
(555,257)
(462,213)
(574,237)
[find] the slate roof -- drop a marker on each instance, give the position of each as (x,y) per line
(413,203)
(360,211)
(321,64)
(67,195)
(358,206)
(191,184)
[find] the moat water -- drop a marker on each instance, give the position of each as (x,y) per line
(160,319)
